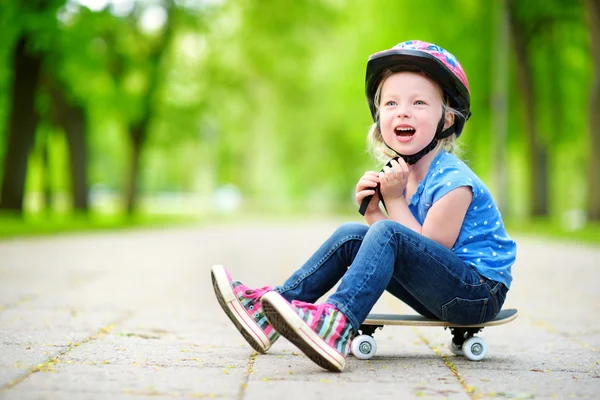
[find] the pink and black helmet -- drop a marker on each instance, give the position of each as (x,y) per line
(437,63)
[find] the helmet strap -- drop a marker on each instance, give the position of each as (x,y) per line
(414,158)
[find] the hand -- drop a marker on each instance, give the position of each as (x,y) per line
(392,180)
(366,187)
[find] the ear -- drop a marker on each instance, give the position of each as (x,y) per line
(448,120)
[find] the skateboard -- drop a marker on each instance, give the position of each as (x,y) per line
(463,342)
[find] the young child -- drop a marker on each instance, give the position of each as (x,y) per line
(440,247)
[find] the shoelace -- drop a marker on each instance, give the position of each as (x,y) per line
(257,293)
(318,308)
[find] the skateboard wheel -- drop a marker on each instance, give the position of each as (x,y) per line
(363,347)
(474,348)
(455,349)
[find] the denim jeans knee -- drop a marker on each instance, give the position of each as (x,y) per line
(326,266)
(351,229)
(388,227)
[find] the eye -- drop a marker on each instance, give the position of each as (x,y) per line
(390,103)
(419,103)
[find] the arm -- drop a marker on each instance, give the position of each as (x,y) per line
(377,216)
(398,211)
(444,219)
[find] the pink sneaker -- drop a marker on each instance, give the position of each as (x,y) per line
(321,331)
(242,306)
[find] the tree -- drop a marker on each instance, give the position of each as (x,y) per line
(593,177)
(34,22)
(139,121)
(22,124)
(71,117)
(537,153)
(499,103)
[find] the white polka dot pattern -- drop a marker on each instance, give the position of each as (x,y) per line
(482,241)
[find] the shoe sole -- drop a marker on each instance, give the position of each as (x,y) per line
(288,323)
(236,312)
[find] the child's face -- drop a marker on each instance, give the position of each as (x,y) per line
(409,111)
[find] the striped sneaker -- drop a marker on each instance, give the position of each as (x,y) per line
(321,331)
(242,306)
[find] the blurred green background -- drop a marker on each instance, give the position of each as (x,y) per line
(124,112)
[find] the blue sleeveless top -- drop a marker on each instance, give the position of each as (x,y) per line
(482,242)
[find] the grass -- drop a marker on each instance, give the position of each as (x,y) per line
(51,224)
(551,229)
(43,225)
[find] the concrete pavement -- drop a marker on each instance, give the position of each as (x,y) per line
(132,315)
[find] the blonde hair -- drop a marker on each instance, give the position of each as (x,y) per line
(377,146)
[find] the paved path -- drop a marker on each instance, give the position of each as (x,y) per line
(132,315)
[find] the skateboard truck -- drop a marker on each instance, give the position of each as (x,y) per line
(368,329)
(475,348)
(463,342)
(459,335)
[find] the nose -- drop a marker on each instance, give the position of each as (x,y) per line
(402,110)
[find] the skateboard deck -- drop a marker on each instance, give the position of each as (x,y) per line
(503,317)
(463,342)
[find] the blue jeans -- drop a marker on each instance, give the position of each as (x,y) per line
(422,273)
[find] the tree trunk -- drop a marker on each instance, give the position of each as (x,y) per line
(73,120)
(70,116)
(593,176)
(499,102)
(138,130)
(76,128)
(555,94)
(23,121)
(538,157)
(137,135)
(46,173)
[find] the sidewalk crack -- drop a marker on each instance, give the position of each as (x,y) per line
(470,390)
(249,369)
(49,364)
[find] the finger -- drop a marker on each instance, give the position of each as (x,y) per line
(405,169)
(394,172)
(364,193)
(404,166)
(374,179)
(368,182)
(361,197)
(371,177)
(365,184)
(396,168)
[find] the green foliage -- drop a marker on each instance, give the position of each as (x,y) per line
(269,95)
(555,229)
(40,224)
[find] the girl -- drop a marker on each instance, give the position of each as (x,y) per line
(441,248)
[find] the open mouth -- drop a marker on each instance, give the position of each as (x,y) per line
(404,131)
